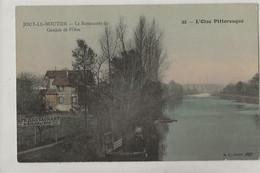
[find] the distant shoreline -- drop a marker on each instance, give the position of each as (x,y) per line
(199,95)
(237,98)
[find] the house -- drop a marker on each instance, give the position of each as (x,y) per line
(61,93)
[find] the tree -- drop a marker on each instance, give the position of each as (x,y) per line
(175,89)
(84,64)
(109,45)
(121,33)
(229,89)
(135,92)
(126,84)
(28,99)
(253,86)
(40,82)
(148,39)
(148,44)
(98,94)
(137,96)
(240,88)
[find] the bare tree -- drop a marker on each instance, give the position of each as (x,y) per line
(148,43)
(99,127)
(121,33)
(109,45)
(126,83)
(140,35)
(131,72)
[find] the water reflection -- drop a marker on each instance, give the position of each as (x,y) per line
(163,128)
(172,102)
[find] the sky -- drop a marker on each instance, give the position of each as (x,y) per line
(218,53)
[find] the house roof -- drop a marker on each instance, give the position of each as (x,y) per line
(68,77)
(61,81)
(54,74)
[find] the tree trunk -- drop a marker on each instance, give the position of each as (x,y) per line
(86,114)
(124,144)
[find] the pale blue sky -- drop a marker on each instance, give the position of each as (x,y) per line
(197,53)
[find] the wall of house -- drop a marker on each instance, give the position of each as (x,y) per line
(62,107)
(74,97)
(51,100)
(67,93)
(63,101)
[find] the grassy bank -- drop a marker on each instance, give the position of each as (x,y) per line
(70,125)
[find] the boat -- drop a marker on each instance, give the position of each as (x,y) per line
(166,120)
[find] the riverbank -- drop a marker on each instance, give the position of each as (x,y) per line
(237,98)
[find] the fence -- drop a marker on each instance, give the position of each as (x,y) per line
(29,136)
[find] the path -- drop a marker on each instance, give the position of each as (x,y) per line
(40,148)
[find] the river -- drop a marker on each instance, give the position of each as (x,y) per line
(210,128)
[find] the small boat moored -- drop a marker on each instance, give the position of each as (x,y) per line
(165,120)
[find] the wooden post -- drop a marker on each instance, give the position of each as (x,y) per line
(35,135)
(18,138)
(56,135)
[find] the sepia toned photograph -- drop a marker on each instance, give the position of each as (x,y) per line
(108,83)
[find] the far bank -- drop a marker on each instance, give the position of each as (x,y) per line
(237,98)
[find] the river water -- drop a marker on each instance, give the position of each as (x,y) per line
(210,128)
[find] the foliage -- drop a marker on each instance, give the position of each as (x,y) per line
(137,94)
(148,44)
(84,63)
(175,93)
(29,101)
(84,56)
(175,89)
(190,90)
(251,88)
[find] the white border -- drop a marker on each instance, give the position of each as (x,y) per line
(8,162)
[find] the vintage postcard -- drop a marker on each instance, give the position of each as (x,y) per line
(137,83)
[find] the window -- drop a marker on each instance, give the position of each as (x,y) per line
(61,100)
(60,88)
(74,101)
(74,92)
